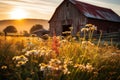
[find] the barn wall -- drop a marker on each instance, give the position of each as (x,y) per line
(66,14)
(105,26)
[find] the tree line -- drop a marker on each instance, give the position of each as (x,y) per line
(12,29)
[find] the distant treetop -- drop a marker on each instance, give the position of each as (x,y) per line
(36,27)
(10,29)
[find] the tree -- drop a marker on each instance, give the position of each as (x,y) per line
(36,27)
(25,33)
(10,29)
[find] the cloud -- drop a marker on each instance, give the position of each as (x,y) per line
(37,8)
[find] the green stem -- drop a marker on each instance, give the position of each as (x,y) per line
(99,39)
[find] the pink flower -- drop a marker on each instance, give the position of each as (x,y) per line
(55,44)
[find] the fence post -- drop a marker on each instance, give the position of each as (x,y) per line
(119,35)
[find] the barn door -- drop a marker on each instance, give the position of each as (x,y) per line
(66,24)
(66,30)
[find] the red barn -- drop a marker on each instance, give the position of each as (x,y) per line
(77,14)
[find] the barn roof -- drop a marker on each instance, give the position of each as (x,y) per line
(92,11)
(40,30)
(96,12)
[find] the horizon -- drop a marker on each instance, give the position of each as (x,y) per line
(23,24)
(39,9)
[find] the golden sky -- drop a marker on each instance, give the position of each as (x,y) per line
(43,9)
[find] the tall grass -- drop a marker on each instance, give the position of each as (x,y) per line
(32,58)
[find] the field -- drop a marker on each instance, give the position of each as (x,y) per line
(31,58)
(58,58)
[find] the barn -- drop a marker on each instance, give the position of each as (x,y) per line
(76,14)
(40,32)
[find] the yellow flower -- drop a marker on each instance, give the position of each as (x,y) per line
(84,29)
(20,58)
(21,63)
(87,43)
(43,66)
(32,52)
(71,28)
(76,65)
(88,25)
(93,28)
(89,67)
(4,67)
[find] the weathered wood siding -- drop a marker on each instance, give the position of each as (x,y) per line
(105,26)
(66,14)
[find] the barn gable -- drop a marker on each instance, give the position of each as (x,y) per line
(66,15)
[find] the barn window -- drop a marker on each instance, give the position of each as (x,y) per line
(65,30)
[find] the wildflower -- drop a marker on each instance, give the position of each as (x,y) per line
(89,67)
(21,63)
(90,43)
(88,25)
(20,58)
(66,32)
(15,58)
(55,44)
(87,43)
(4,67)
(82,67)
(76,65)
(55,66)
(84,42)
(95,27)
(54,62)
(71,28)
(32,52)
(42,52)
(65,71)
(43,66)
(48,52)
(84,29)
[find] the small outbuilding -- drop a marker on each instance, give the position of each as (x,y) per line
(76,14)
(40,32)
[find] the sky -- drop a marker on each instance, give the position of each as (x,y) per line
(43,9)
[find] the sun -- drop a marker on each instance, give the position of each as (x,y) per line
(18,13)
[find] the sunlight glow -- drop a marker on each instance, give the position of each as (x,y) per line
(18,13)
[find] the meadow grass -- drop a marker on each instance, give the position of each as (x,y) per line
(32,58)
